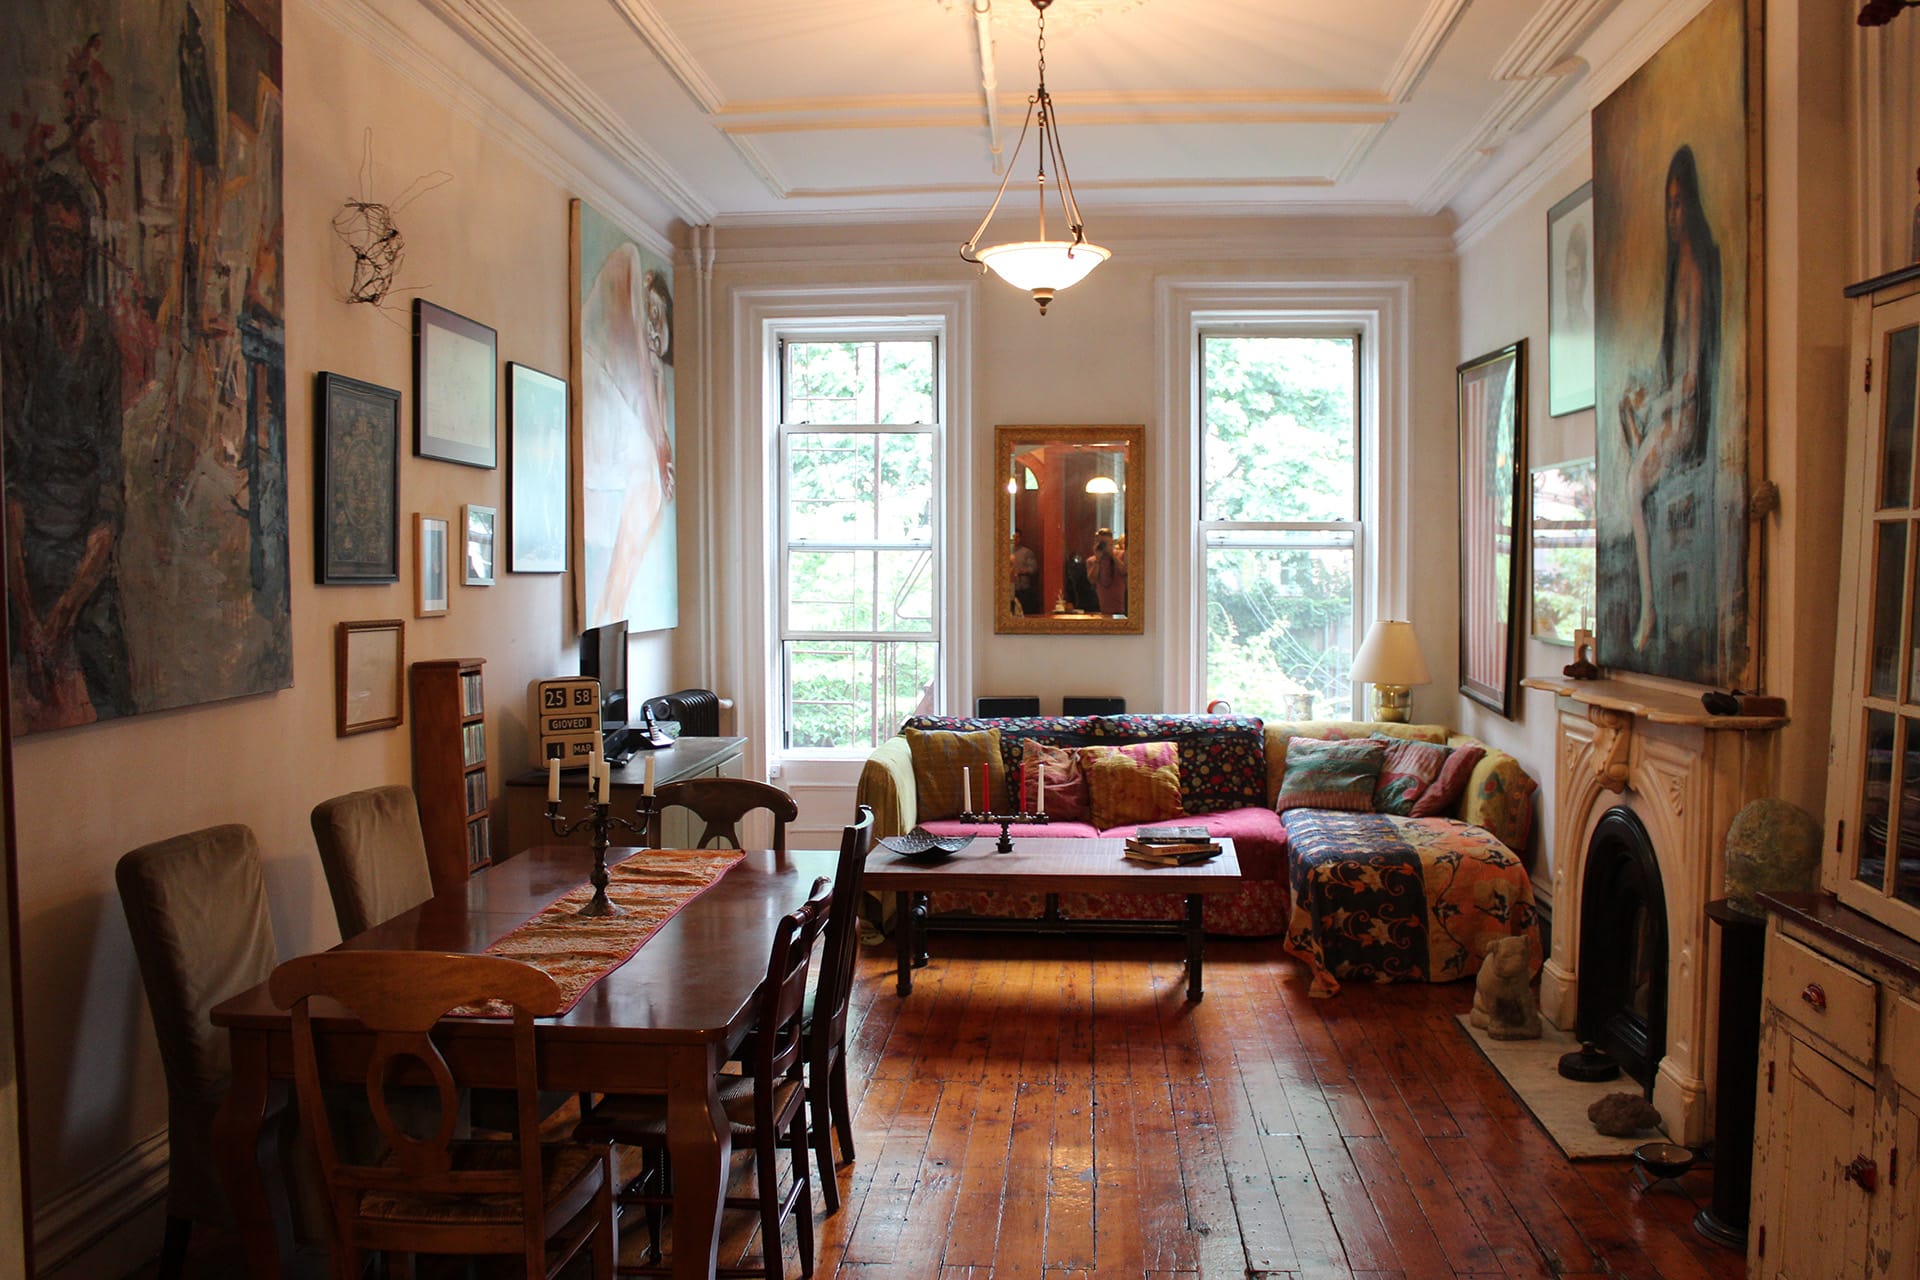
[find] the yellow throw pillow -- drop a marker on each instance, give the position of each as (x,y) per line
(1139,782)
(938,757)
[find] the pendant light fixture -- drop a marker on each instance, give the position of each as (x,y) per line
(1043,267)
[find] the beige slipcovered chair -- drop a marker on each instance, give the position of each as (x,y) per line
(373,854)
(197,909)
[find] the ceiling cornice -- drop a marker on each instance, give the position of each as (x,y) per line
(544,149)
(492,29)
(1555,28)
(1429,37)
(1515,109)
(1573,143)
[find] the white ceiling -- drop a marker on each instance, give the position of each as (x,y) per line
(816,111)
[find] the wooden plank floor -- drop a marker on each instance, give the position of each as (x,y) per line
(1055,1108)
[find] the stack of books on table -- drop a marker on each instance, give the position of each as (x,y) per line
(1171,846)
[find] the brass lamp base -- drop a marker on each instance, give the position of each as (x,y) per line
(1392,702)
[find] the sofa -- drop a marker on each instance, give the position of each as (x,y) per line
(1372,898)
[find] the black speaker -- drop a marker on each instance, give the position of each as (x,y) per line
(1079,706)
(991,708)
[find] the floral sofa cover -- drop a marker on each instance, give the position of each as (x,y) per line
(1231,768)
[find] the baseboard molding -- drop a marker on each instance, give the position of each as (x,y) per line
(77,1219)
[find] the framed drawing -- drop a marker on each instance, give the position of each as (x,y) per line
(1493,440)
(1676,176)
(1561,519)
(455,389)
(1570,303)
(429,566)
(536,471)
(478,522)
(625,538)
(369,660)
(356,535)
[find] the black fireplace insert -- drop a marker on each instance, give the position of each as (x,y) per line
(1623,946)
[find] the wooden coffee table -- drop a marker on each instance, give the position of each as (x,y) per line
(1050,866)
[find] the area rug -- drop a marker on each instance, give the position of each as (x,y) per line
(1531,1069)
(576,951)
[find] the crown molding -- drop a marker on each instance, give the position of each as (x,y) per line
(1141,116)
(1362,146)
(1429,37)
(68,1224)
(1647,39)
(546,149)
(673,54)
(1572,143)
(1514,110)
(1553,31)
(491,28)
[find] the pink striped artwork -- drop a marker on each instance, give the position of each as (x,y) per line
(1492,399)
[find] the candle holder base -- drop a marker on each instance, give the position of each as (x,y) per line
(1006,822)
(601,822)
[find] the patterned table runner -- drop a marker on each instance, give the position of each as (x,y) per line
(577,951)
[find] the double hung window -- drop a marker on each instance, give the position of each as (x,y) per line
(860,460)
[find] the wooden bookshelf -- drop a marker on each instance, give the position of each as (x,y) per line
(450,767)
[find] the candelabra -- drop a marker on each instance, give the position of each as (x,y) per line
(601,822)
(1006,821)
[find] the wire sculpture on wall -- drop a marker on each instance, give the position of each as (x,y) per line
(367,228)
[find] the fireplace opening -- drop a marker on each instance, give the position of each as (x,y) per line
(1623,946)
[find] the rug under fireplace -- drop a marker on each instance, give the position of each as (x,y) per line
(1531,1069)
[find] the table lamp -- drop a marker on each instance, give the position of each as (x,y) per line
(1390,661)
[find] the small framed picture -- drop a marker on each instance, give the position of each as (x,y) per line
(1570,303)
(455,387)
(369,659)
(479,522)
(429,566)
(356,535)
(1565,542)
(536,471)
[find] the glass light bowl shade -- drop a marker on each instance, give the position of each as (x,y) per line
(1043,266)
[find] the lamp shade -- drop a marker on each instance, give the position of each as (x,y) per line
(1390,655)
(1043,264)
(1102,484)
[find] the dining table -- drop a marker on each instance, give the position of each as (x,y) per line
(664,1022)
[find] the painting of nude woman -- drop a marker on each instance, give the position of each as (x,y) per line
(625,540)
(1672,184)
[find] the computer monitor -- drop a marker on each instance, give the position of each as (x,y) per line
(603,657)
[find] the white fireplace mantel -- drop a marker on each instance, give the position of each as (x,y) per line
(1685,774)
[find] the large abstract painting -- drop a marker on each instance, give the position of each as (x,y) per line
(1672,181)
(141,324)
(625,542)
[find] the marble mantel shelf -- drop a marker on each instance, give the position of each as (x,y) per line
(1659,706)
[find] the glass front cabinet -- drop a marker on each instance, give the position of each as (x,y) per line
(1873,810)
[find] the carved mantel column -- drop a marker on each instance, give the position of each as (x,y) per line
(1685,774)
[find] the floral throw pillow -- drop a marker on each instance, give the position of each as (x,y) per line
(939,758)
(1139,782)
(1444,796)
(1067,797)
(1330,775)
(1407,769)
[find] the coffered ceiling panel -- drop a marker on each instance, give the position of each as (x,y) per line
(805,110)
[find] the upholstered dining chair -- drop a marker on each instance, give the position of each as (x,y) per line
(766,1101)
(374,856)
(826,1012)
(196,906)
(431,1192)
(722,803)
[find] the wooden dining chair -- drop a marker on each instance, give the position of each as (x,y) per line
(373,854)
(722,803)
(826,1017)
(196,907)
(767,1101)
(545,1202)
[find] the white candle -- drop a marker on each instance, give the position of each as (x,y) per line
(646,787)
(966,786)
(603,773)
(553,779)
(1043,789)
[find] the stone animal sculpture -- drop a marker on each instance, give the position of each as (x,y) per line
(1503,994)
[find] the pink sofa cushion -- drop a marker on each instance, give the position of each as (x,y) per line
(1259,838)
(955,827)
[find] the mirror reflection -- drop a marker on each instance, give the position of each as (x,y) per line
(1070,497)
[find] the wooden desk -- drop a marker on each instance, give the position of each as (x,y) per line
(663,1022)
(526,793)
(1049,865)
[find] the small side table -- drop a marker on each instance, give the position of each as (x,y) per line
(1743,941)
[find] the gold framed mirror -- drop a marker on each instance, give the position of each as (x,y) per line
(1070,514)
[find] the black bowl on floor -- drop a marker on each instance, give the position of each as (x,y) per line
(1663,1159)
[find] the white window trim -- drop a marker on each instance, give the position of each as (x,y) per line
(750,647)
(1380,311)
